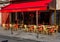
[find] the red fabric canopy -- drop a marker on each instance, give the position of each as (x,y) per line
(26,9)
(28,6)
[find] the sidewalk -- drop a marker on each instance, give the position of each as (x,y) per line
(31,36)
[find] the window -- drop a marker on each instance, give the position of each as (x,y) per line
(58,17)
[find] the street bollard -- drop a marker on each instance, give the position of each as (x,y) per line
(11,30)
(37,34)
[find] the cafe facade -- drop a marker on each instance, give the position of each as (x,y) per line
(33,12)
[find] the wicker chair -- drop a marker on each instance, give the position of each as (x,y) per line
(35,28)
(31,29)
(3,25)
(7,26)
(15,27)
(56,29)
(40,29)
(25,28)
(51,31)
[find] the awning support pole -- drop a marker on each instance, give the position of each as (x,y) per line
(23,18)
(37,22)
(11,27)
(16,17)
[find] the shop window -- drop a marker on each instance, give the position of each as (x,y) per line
(44,18)
(12,15)
(58,18)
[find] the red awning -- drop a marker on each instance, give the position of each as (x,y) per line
(28,6)
(26,9)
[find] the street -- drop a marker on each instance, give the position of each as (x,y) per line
(21,36)
(10,39)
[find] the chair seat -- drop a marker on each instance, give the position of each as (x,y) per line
(15,25)
(40,29)
(7,25)
(51,30)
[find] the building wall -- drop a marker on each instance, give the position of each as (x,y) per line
(4,0)
(52,5)
(57,4)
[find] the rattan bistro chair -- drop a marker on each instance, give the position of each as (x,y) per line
(25,28)
(45,31)
(3,25)
(35,28)
(15,27)
(7,26)
(40,29)
(56,29)
(31,29)
(51,31)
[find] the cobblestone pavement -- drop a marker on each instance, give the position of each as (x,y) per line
(20,36)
